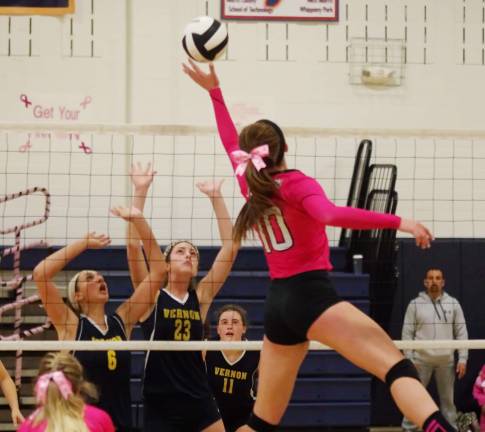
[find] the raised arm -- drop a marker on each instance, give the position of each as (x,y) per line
(10,393)
(225,126)
(64,319)
(210,285)
(141,178)
(312,198)
(143,299)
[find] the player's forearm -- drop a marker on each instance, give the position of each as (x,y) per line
(10,393)
(138,201)
(224,222)
(54,263)
(156,259)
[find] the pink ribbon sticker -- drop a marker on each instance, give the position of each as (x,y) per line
(87,100)
(25,100)
(86,149)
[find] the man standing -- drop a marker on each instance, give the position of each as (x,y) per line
(436,315)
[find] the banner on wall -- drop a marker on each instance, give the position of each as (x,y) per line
(36,7)
(283,10)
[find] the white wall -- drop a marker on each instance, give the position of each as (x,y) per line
(126,57)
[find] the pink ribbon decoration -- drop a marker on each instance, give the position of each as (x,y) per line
(256,155)
(61,381)
(25,100)
(87,100)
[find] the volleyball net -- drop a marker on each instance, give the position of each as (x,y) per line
(59,182)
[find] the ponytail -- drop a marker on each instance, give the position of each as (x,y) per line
(60,410)
(262,187)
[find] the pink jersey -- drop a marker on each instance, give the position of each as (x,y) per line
(96,420)
(293,234)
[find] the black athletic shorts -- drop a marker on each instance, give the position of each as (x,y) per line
(294,303)
(178,414)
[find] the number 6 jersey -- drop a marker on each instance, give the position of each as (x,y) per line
(176,372)
(109,370)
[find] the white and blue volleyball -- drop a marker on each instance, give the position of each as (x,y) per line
(205,39)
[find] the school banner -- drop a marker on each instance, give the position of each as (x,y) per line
(282,10)
(36,7)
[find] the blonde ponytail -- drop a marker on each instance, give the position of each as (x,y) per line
(62,412)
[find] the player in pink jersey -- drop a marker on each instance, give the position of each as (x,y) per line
(59,390)
(289,211)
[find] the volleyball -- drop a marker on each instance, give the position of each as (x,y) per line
(205,39)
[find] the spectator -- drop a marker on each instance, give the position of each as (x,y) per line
(436,315)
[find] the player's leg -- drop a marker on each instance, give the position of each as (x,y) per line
(358,338)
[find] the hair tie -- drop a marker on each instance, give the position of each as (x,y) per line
(64,385)
(256,155)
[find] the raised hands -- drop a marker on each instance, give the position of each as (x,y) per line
(212,188)
(129,214)
(141,177)
(206,80)
(96,241)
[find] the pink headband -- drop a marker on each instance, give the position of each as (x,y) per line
(241,158)
(61,381)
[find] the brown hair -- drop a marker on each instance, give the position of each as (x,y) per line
(167,252)
(236,308)
(262,186)
(64,414)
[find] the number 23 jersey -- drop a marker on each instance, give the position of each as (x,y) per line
(176,372)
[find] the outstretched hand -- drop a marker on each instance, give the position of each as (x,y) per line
(211,188)
(206,80)
(96,241)
(141,177)
(421,234)
(126,213)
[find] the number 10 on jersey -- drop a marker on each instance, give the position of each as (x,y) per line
(273,231)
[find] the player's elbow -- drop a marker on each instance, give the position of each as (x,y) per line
(39,273)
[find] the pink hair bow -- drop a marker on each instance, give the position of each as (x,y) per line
(256,155)
(61,381)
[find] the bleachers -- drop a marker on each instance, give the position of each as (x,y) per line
(329,392)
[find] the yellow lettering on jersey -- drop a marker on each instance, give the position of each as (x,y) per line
(114,339)
(223,372)
(177,313)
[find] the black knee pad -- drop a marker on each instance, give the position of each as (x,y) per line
(259,425)
(403,368)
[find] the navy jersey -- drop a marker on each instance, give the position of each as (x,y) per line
(147,325)
(109,370)
(182,373)
(233,385)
